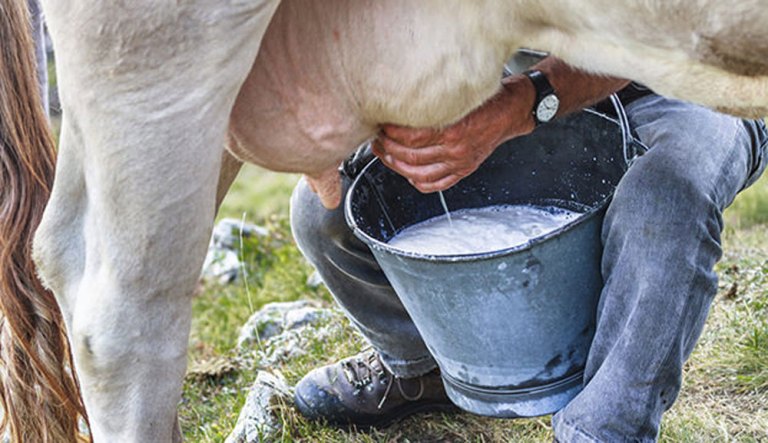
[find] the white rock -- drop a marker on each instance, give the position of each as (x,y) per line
(293,343)
(274,318)
(257,422)
(227,232)
(222,262)
(297,318)
(314,280)
(222,265)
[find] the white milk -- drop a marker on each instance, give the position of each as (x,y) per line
(481,230)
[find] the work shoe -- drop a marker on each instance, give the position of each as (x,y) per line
(360,391)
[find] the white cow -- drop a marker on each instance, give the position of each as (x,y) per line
(152,93)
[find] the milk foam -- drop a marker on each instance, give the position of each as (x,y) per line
(479,230)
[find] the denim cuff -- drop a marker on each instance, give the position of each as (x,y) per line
(568,432)
(565,432)
(408,368)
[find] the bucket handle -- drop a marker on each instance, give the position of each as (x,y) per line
(631,146)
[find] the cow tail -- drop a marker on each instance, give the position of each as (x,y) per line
(39,392)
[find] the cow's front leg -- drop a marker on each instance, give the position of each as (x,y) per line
(146,89)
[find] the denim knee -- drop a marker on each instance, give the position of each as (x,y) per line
(314,227)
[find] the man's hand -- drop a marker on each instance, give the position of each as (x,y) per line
(434,160)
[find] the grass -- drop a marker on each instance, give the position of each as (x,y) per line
(725,386)
(258,193)
(726,380)
(750,207)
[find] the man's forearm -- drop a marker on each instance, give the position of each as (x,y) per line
(575,88)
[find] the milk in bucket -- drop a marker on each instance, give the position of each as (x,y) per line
(470,231)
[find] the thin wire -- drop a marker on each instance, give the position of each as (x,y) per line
(243,270)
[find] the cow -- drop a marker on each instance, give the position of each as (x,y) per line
(163,100)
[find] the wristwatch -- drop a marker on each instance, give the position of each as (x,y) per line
(546,105)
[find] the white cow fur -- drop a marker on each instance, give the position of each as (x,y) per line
(150,90)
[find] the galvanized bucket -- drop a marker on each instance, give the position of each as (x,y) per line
(510,329)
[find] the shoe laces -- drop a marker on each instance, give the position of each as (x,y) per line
(360,372)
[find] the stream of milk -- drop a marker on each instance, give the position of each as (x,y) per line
(470,231)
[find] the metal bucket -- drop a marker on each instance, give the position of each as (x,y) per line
(510,329)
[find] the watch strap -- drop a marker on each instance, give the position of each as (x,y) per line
(543,88)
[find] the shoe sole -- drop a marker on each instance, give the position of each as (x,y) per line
(381,421)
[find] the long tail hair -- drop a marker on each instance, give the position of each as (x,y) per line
(39,392)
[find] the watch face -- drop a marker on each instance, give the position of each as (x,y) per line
(547,108)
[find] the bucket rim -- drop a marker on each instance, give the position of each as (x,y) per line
(376,244)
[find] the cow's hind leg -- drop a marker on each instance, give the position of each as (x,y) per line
(146,88)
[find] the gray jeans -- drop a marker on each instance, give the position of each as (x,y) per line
(662,239)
